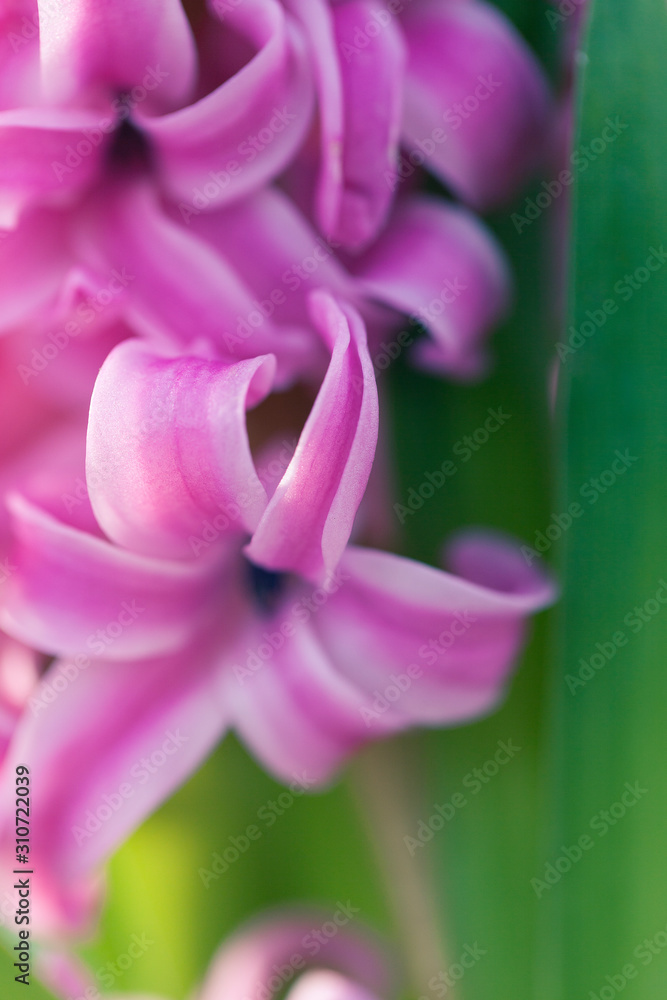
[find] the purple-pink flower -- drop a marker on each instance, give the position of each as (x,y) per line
(192,596)
(112,101)
(208,222)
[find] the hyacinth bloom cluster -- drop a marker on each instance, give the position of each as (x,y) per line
(213,238)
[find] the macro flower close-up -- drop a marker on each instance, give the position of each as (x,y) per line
(330,478)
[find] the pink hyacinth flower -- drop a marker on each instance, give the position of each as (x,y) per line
(476,105)
(116,107)
(114,77)
(201,597)
(99,185)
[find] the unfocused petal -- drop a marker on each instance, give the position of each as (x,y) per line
(180,290)
(322,984)
(19,674)
(115,45)
(245,132)
(277,253)
(168,448)
(63,973)
(461,630)
(245,965)
(33,261)
(309,518)
(60,360)
(19,54)
(46,157)
(373,80)
(437,263)
(106,743)
(47,467)
(476,102)
(71,592)
(360,103)
(385,644)
(290,703)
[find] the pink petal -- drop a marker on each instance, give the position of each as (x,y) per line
(461,633)
(60,360)
(19,675)
(317,20)
(476,102)
(19,54)
(72,592)
(360,89)
(46,465)
(114,46)
(106,743)
(437,263)
(277,254)
(246,964)
(289,701)
(322,984)
(372,81)
(180,291)
(33,261)
(309,518)
(63,973)
(246,131)
(168,448)
(47,156)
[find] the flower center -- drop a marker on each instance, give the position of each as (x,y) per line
(129,148)
(266,587)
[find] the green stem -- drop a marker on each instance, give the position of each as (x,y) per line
(385,780)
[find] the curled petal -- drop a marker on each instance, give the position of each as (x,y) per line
(372,95)
(70,592)
(246,131)
(168,448)
(106,743)
(115,45)
(360,95)
(246,964)
(323,984)
(451,636)
(476,103)
(440,265)
(309,518)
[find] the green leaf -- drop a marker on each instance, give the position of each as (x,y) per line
(610,684)
(484,855)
